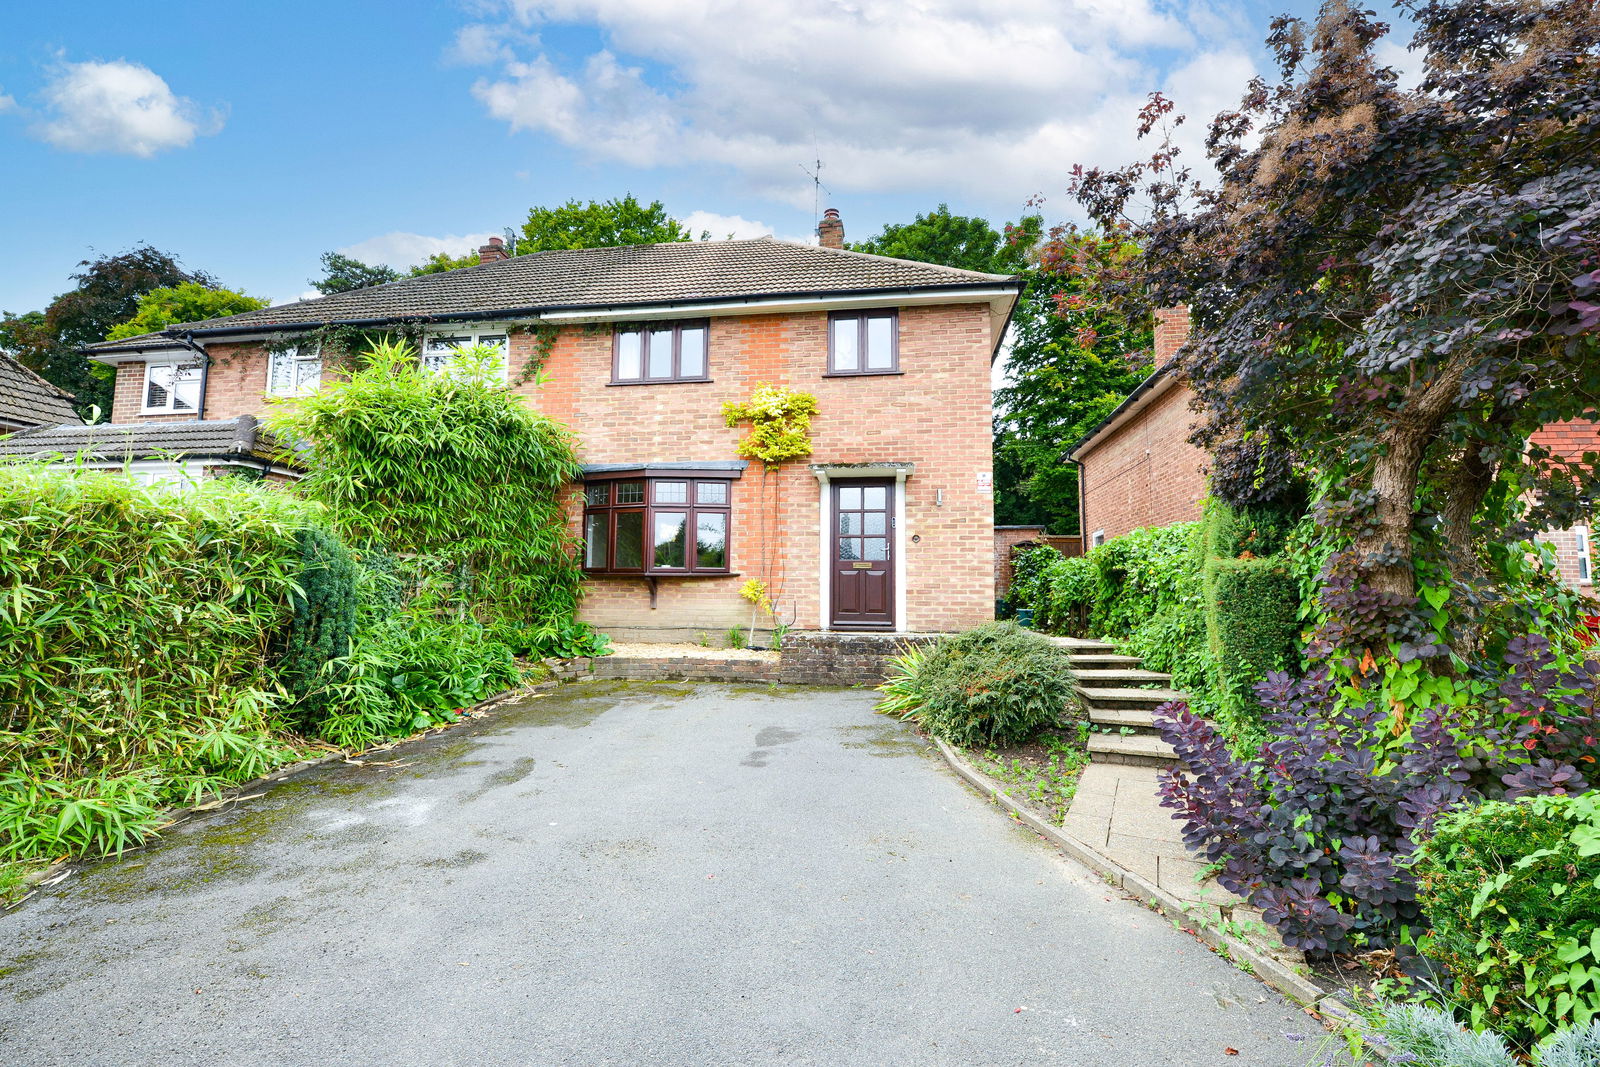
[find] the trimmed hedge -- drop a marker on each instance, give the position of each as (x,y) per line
(1512,892)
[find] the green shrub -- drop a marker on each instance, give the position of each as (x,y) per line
(326,612)
(1252,627)
(1512,893)
(1427,1036)
(995,685)
(136,635)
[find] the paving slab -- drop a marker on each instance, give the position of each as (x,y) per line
(622,874)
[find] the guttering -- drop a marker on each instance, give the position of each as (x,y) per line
(1147,392)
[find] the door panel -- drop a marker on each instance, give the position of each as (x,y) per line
(862,567)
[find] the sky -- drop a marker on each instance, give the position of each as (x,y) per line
(248,139)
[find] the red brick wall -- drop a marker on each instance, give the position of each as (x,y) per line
(236,384)
(1144,472)
(1571,440)
(1171,331)
(935,415)
(1006,539)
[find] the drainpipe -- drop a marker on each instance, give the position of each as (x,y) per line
(188,341)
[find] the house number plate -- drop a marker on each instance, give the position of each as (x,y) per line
(862,566)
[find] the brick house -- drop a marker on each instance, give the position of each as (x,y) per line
(27,400)
(886,527)
(1137,468)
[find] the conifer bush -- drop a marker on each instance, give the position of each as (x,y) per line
(995,685)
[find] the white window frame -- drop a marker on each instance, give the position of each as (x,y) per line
(299,356)
(1585,555)
(193,366)
(465,335)
(1097,539)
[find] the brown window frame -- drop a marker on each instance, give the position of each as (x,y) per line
(862,317)
(644,330)
(649,507)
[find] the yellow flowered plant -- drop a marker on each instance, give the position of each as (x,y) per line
(779,419)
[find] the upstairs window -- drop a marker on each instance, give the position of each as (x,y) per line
(658,526)
(294,371)
(440,348)
(660,352)
(172,388)
(864,342)
(1585,558)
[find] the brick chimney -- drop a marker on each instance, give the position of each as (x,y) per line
(830,231)
(1172,330)
(493,252)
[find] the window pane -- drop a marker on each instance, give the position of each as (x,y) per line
(849,522)
(158,380)
(849,548)
(874,497)
(845,336)
(594,540)
(877,522)
(880,343)
(598,494)
(501,342)
(875,548)
(628,356)
(692,352)
(280,371)
(850,497)
(659,354)
(437,351)
(711,539)
(630,541)
(672,492)
(630,493)
(308,372)
(186,389)
(671,529)
(710,492)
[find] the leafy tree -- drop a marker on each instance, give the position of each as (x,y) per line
(343,274)
(599,224)
(108,291)
(1398,285)
(187,302)
(963,241)
(440,262)
(1074,357)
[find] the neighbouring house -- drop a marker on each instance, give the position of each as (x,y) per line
(27,400)
(166,453)
(887,526)
(1137,467)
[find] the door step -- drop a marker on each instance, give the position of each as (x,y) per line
(1101,661)
(1120,697)
(1122,677)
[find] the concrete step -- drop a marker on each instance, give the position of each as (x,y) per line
(1079,644)
(1139,718)
(1140,750)
(1120,677)
(1090,661)
(1121,697)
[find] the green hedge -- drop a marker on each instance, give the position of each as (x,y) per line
(1213,603)
(1512,893)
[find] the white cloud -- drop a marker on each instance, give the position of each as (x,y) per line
(7,103)
(722,227)
(984,96)
(402,250)
(119,107)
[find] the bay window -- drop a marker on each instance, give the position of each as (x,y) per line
(656,525)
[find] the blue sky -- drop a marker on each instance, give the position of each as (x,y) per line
(250,139)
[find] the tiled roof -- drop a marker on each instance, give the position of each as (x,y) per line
(658,274)
(211,439)
(28,400)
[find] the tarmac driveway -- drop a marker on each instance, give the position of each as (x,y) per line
(623,873)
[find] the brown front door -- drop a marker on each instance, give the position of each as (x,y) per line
(863,555)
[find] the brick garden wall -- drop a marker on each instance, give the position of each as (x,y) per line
(840,658)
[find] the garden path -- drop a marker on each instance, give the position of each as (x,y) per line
(622,873)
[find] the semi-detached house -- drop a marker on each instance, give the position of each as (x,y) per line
(885,527)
